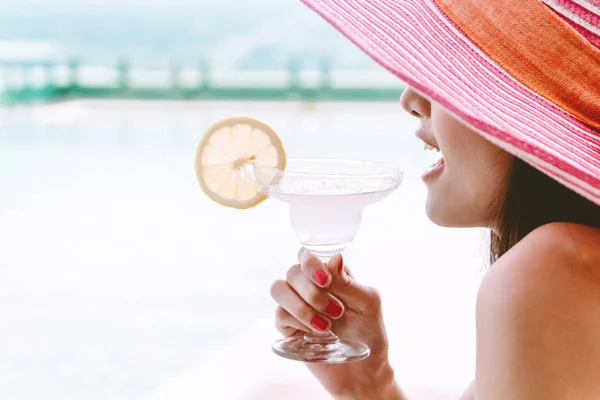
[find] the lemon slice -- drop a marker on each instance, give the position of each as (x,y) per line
(223,160)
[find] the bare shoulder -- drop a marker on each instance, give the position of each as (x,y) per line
(587,242)
(554,250)
(538,319)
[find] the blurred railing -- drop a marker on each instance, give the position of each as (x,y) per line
(45,81)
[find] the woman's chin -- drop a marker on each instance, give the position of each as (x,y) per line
(433,211)
(439,220)
(439,213)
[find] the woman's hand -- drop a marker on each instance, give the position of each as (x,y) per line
(322,297)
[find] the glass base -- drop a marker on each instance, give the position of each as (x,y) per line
(321,348)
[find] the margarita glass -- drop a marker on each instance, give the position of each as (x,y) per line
(326,199)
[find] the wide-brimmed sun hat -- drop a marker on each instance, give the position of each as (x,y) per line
(525,74)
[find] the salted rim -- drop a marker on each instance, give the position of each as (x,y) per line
(397,171)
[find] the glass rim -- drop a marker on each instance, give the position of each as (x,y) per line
(397,171)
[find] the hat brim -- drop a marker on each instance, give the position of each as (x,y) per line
(415,41)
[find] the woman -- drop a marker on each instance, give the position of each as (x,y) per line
(509,91)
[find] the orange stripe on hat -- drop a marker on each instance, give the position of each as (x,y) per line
(537,47)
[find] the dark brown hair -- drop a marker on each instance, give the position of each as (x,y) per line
(529,199)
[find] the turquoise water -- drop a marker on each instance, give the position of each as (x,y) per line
(234,34)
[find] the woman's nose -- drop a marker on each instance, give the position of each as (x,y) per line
(415,104)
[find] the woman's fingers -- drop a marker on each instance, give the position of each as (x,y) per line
(287,298)
(340,282)
(319,299)
(314,293)
(313,268)
(337,264)
(353,293)
(287,324)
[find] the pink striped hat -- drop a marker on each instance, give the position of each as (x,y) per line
(525,74)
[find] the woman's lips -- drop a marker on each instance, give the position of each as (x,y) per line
(434,170)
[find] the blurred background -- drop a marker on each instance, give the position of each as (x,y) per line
(120,280)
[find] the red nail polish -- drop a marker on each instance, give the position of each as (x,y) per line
(319,323)
(341,267)
(321,278)
(334,309)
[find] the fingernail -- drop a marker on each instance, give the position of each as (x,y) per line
(319,323)
(334,309)
(321,278)
(341,267)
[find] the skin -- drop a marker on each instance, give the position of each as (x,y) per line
(537,308)
(474,168)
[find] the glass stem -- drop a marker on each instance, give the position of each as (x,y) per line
(321,338)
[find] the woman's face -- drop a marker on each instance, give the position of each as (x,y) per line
(463,186)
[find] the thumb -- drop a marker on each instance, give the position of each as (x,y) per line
(349,290)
